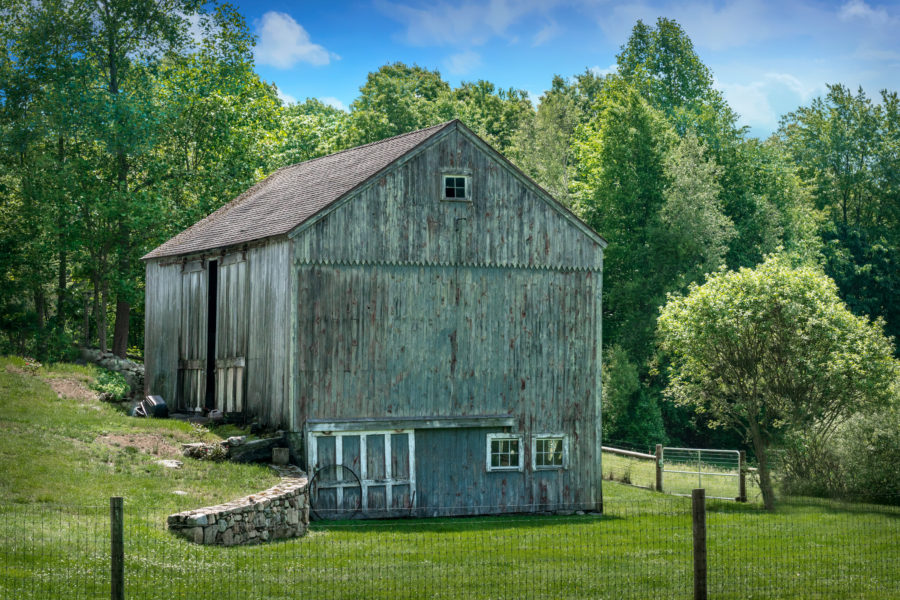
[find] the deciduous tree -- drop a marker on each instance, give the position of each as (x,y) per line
(772,350)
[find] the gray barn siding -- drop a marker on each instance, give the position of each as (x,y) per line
(268,333)
(410,306)
(252,329)
(162,328)
(400,218)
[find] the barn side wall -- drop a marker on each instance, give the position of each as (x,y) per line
(252,330)
(410,306)
(162,325)
(268,333)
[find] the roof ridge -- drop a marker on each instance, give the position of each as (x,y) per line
(395,137)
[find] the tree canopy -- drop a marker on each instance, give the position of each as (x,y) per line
(771,350)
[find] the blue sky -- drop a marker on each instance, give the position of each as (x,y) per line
(767,57)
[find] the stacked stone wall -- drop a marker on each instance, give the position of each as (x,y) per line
(279,512)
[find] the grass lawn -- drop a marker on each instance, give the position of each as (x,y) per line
(62,457)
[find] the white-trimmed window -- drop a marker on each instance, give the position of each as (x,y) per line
(456,187)
(549,451)
(504,452)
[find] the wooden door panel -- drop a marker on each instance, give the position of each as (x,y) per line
(383,461)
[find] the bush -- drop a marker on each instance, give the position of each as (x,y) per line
(859,462)
(111,386)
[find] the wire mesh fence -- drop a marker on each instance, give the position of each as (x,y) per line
(635,549)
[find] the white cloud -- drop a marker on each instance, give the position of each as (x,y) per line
(547,33)
(473,22)
(332,101)
(600,72)
(463,62)
(285,97)
(858,9)
(762,102)
(283,43)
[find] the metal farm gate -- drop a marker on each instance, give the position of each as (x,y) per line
(717,471)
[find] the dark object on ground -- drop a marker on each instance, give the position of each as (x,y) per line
(152,406)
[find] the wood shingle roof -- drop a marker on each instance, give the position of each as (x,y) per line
(293,194)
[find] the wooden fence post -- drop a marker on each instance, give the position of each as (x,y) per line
(742,477)
(698,515)
(659,468)
(117,549)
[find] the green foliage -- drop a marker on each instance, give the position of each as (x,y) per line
(847,150)
(630,412)
(773,350)
(542,146)
(395,99)
(619,191)
(111,384)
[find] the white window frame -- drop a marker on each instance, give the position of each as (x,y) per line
(550,436)
(364,479)
(500,437)
(468,179)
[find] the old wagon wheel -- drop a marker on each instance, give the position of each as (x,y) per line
(335,492)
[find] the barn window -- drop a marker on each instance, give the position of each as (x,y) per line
(456,187)
(549,452)
(504,452)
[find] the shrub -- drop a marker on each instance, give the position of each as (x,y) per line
(111,386)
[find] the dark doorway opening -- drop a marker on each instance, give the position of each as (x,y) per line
(212,303)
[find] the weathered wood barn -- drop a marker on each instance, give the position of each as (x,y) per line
(417,308)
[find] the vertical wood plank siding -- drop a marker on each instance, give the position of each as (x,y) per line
(162,329)
(406,305)
(268,333)
(252,331)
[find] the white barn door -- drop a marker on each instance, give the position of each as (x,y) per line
(384,461)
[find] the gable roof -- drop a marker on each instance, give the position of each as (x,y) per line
(293,194)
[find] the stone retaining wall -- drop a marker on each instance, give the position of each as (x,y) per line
(279,512)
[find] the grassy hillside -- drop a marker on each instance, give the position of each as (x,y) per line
(58,444)
(63,453)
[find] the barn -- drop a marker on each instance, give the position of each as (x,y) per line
(416,311)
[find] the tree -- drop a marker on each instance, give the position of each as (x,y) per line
(308,130)
(542,147)
(698,231)
(619,190)
(847,151)
(494,114)
(773,350)
(397,98)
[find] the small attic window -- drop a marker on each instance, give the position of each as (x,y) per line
(456,187)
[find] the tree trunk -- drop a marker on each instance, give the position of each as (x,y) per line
(120,333)
(765,479)
(87,320)
(61,287)
(100,318)
(40,309)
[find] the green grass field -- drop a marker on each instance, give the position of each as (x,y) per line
(61,458)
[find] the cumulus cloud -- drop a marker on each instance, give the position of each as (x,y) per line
(463,62)
(762,102)
(283,43)
(601,72)
(285,97)
(547,33)
(332,101)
